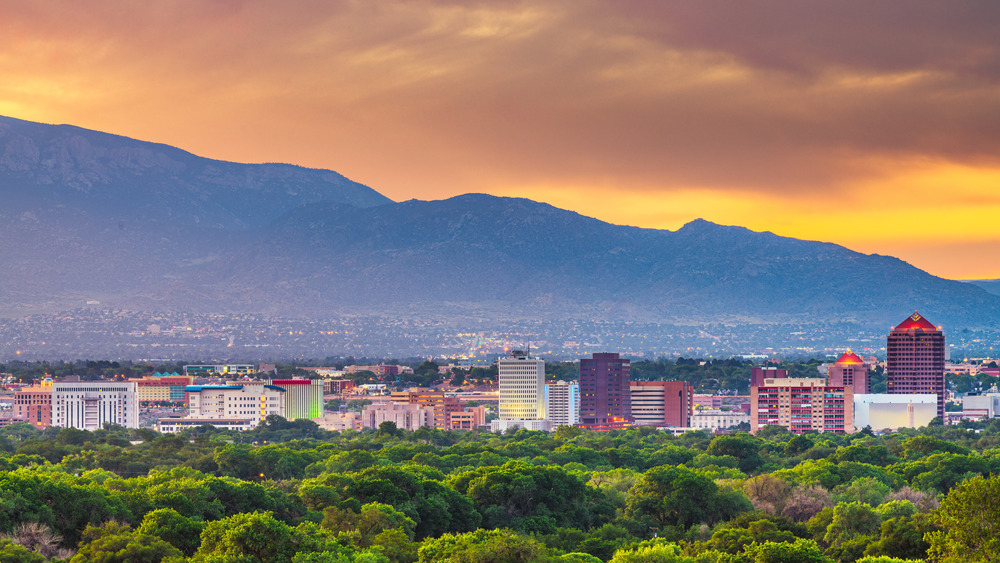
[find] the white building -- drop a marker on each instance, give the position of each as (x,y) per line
(172,425)
(981,406)
(88,405)
(882,411)
(407,416)
(534,424)
(562,403)
(522,387)
(252,401)
(717,419)
(339,421)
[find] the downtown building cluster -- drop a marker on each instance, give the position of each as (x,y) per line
(603,398)
(842,402)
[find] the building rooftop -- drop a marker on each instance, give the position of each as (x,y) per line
(850,358)
(914,322)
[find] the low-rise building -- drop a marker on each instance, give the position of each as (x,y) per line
(34,406)
(717,419)
(662,403)
(251,401)
(339,421)
(977,407)
(303,397)
(891,412)
(404,416)
(173,425)
(531,424)
(469,418)
(92,404)
(162,388)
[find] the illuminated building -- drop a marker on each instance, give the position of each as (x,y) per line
(562,403)
(522,387)
(915,360)
(303,397)
(662,403)
(802,405)
(89,405)
(605,398)
(850,371)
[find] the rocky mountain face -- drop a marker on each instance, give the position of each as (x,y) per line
(87,216)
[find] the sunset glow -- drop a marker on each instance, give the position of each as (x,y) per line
(877,130)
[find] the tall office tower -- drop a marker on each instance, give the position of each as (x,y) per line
(522,387)
(662,403)
(850,371)
(915,360)
(605,400)
(562,403)
(759,374)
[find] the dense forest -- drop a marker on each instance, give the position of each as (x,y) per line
(290,492)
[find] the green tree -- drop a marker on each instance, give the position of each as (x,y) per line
(11,552)
(799,551)
(257,537)
(676,496)
(969,518)
(168,525)
(484,546)
(743,447)
(113,542)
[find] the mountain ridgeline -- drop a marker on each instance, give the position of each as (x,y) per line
(88,216)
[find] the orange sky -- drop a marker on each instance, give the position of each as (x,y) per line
(875,125)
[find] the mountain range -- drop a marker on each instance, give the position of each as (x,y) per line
(89,217)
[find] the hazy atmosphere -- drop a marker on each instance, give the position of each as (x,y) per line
(872,125)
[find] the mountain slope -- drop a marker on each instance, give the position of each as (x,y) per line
(519,257)
(87,216)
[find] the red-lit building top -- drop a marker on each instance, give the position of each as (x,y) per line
(915,359)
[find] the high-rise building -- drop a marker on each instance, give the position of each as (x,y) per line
(522,387)
(605,400)
(89,405)
(802,405)
(915,360)
(662,403)
(562,403)
(850,371)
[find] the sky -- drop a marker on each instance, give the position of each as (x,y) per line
(875,125)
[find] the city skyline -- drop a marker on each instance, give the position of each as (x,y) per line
(874,130)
